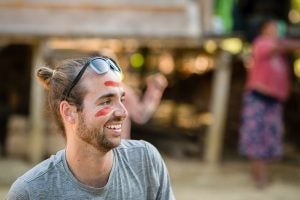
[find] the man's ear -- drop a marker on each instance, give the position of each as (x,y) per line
(67,112)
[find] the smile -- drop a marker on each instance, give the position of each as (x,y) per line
(114,126)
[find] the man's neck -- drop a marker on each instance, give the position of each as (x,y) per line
(90,166)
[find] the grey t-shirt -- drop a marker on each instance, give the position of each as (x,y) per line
(138,172)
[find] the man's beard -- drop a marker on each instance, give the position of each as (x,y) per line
(94,136)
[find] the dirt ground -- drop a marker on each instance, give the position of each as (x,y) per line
(193,180)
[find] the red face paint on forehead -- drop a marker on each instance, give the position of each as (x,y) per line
(112,83)
(103,111)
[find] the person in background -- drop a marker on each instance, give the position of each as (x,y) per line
(267,88)
(142,107)
(87,99)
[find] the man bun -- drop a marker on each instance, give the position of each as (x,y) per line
(44,76)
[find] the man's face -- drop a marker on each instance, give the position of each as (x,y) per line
(100,122)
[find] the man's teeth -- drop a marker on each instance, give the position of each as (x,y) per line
(118,126)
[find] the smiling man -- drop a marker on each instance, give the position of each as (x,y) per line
(86,98)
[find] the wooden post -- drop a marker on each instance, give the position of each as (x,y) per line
(221,84)
(37,109)
(206,13)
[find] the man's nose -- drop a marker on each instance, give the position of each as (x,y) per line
(121,111)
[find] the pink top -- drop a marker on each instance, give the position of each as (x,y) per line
(269,71)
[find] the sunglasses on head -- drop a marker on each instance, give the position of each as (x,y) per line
(100,65)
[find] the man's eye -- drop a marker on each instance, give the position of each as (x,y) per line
(106,102)
(123,99)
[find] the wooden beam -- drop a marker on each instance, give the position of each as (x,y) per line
(36,148)
(221,84)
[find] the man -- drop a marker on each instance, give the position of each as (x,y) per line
(86,98)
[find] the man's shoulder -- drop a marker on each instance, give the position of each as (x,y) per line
(136,148)
(43,168)
(37,178)
(133,144)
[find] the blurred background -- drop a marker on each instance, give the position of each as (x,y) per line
(201,46)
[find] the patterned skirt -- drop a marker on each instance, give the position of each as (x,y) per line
(261,128)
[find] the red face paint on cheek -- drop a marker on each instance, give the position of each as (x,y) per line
(103,111)
(112,83)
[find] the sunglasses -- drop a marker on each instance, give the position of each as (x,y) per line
(100,65)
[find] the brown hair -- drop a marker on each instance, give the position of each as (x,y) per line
(57,81)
